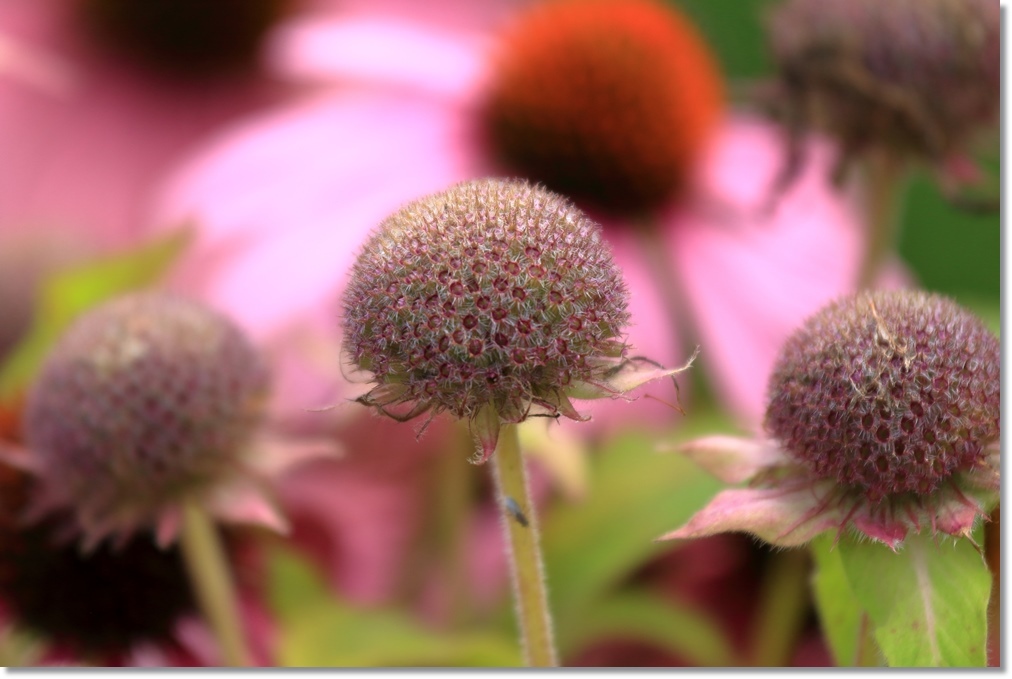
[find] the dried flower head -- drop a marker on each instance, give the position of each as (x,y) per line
(494,301)
(145,400)
(191,38)
(883,416)
(915,77)
(607,101)
(97,605)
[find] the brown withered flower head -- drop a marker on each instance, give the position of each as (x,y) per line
(883,417)
(917,78)
(494,301)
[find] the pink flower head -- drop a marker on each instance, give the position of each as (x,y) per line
(284,200)
(495,301)
(883,417)
(98,98)
(146,402)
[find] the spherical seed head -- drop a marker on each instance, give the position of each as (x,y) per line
(145,399)
(101,603)
(606,101)
(888,393)
(190,38)
(914,75)
(492,293)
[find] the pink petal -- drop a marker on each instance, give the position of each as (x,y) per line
(88,160)
(734,459)
(650,333)
(783,518)
(294,194)
(749,281)
(385,52)
(245,503)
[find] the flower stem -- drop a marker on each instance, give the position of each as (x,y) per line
(521,530)
(782,608)
(865,655)
(885,180)
(992,553)
(209,574)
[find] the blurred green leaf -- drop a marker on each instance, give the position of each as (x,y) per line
(644,616)
(72,291)
(839,612)
(636,494)
(928,602)
(318,630)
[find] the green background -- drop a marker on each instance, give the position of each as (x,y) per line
(950,251)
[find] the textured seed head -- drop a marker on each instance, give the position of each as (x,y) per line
(606,101)
(102,603)
(190,38)
(887,392)
(144,399)
(913,75)
(490,293)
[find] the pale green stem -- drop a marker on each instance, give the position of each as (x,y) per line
(885,185)
(212,582)
(866,653)
(523,551)
(992,553)
(782,607)
(452,503)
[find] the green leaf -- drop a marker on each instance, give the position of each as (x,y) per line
(645,616)
(72,291)
(318,630)
(635,495)
(928,603)
(839,612)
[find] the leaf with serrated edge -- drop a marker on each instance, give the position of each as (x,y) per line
(928,602)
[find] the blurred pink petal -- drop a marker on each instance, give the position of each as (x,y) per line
(87,156)
(751,282)
(370,50)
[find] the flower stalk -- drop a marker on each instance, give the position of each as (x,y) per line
(523,551)
(885,185)
(212,583)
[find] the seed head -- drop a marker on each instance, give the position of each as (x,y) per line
(101,603)
(491,295)
(914,76)
(607,101)
(189,38)
(145,399)
(888,393)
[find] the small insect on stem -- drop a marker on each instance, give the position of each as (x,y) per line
(514,509)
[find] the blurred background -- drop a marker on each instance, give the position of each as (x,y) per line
(395,556)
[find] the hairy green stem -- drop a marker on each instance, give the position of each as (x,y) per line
(885,185)
(212,582)
(782,606)
(523,551)
(866,653)
(992,554)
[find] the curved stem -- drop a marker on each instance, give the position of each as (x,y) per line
(523,550)
(884,177)
(782,607)
(209,575)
